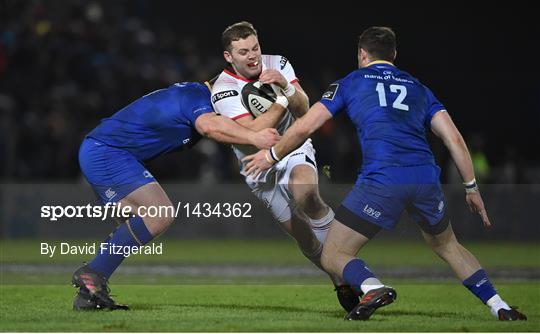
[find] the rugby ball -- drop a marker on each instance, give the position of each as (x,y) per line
(258,97)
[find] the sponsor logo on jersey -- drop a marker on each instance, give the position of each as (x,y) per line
(368,210)
(331,92)
(147,174)
(110,194)
(282,62)
(223,95)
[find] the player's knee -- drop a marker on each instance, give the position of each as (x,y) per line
(161,221)
(306,196)
(310,201)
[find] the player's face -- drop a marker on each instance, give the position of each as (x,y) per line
(245,57)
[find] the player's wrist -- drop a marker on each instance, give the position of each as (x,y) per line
(282,101)
(471,186)
(289,90)
(273,155)
(268,157)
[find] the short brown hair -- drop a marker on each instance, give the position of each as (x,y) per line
(235,32)
(378,42)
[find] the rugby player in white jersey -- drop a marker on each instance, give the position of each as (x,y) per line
(290,188)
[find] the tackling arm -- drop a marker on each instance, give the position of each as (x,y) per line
(302,129)
(293,137)
(225,130)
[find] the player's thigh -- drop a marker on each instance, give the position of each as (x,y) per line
(303,184)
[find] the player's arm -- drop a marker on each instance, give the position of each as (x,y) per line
(443,126)
(225,130)
(269,119)
(298,99)
(317,115)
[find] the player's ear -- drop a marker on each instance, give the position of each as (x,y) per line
(395,55)
(228,57)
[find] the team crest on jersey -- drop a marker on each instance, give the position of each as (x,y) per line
(331,92)
(223,95)
(282,62)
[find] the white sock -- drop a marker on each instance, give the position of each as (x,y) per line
(370,284)
(496,303)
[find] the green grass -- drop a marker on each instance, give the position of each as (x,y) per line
(284,252)
(219,304)
(261,308)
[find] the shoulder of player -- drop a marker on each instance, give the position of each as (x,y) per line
(225,87)
(276,62)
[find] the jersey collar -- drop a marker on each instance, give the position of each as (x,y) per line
(380,62)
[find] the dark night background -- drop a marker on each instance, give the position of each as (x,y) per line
(66,64)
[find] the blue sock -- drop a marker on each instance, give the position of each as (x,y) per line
(356,272)
(480,285)
(106,263)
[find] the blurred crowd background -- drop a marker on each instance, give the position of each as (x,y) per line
(64,65)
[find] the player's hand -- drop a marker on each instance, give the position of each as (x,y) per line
(273,77)
(265,138)
(257,163)
(476,205)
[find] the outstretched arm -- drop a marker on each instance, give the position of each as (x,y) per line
(443,126)
(225,130)
(317,115)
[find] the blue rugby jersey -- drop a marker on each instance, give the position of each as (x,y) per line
(157,123)
(391,111)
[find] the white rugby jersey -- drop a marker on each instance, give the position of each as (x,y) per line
(227,96)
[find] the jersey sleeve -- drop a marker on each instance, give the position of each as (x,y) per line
(286,68)
(199,98)
(433,106)
(334,98)
(227,102)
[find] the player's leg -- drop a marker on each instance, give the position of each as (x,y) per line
(300,230)
(339,257)
(366,209)
(116,175)
(303,186)
(468,270)
(304,190)
(313,218)
(134,231)
(428,209)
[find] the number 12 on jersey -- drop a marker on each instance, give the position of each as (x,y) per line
(398,102)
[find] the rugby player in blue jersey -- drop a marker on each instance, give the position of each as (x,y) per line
(112,159)
(392,111)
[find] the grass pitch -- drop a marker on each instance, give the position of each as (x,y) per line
(261,308)
(34,302)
